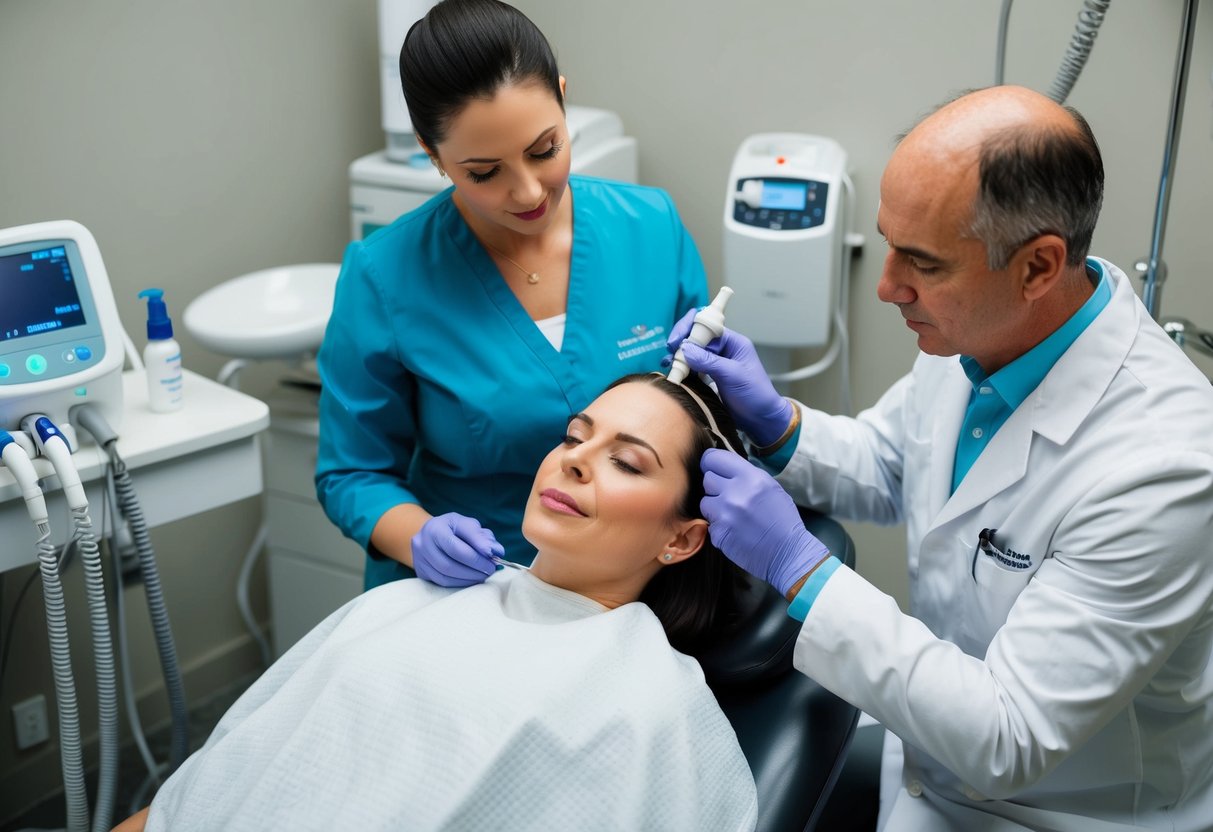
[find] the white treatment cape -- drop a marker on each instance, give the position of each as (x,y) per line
(510,705)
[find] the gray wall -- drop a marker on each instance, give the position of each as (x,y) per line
(199,141)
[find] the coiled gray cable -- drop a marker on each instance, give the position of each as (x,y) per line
(71,755)
(128,502)
(103,660)
(91,420)
(123,649)
(1090,18)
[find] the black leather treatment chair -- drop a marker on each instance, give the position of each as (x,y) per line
(794,733)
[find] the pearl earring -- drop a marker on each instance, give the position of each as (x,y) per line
(667,557)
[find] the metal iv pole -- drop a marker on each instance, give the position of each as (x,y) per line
(1153,269)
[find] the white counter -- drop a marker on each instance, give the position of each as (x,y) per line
(201,457)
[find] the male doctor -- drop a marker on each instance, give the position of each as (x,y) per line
(1051,454)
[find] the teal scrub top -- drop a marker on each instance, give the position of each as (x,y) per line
(439,389)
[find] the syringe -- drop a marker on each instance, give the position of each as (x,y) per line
(709,324)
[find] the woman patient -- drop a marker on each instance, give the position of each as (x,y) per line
(547,699)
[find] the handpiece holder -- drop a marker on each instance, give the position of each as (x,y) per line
(708,324)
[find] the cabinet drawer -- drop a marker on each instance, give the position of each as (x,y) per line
(301,525)
(290,463)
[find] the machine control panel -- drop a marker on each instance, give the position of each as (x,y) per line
(780,203)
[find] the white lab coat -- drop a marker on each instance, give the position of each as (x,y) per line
(1069,687)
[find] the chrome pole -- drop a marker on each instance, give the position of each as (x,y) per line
(1154,268)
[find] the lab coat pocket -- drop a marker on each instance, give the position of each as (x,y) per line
(997,587)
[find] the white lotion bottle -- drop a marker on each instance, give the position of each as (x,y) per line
(161,356)
(708,324)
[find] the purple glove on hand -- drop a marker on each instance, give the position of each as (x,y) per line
(453,550)
(740,378)
(754,521)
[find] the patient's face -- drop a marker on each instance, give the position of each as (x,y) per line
(603,508)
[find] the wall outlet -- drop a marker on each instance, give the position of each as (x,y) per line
(30,724)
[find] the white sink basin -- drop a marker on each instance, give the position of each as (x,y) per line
(274,313)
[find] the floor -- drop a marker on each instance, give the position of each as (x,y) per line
(51,813)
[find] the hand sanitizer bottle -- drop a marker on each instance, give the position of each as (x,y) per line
(161,356)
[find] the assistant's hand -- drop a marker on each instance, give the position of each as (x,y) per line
(453,550)
(754,521)
(741,380)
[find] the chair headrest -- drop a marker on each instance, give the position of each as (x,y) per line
(759,648)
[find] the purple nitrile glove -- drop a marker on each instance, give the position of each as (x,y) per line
(453,550)
(742,381)
(754,521)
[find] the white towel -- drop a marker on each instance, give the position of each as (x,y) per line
(511,705)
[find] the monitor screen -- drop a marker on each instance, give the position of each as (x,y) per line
(784,196)
(37,293)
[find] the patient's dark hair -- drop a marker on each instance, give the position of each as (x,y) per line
(464,50)
(698,597)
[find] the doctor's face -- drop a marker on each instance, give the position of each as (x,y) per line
(508,157)
(935,274)
(604,506)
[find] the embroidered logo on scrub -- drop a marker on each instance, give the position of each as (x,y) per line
(1007,558)
(644,339)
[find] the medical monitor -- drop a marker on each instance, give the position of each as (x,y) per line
(60,337)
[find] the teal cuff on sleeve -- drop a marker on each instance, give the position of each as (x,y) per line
(799,608)
(776,462)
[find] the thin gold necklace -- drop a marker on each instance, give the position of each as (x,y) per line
(531,277)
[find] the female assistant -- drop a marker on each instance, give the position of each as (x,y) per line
(463,334)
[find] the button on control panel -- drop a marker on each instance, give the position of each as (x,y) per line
(48,362)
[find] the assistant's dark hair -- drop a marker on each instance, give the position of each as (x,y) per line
(468,49)
(699,596)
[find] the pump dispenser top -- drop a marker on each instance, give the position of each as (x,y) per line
(161,356)
(708,324)
(159,324)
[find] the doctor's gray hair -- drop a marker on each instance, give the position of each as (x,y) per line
(1037,181)
(463,50)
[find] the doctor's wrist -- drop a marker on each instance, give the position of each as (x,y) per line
(795,588)
(793,424)
(799,585)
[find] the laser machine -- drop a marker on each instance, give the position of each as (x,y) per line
(786,248)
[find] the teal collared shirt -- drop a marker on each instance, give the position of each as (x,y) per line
(995,397)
